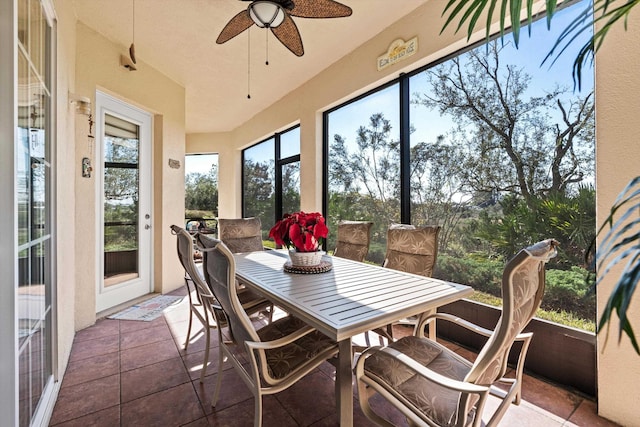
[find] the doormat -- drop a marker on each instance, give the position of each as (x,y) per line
(147,310)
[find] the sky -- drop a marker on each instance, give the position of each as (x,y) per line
(199,163)
(529,55)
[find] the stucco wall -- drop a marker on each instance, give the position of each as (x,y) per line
(617,154)
(97,68)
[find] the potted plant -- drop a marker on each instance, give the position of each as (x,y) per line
(303,234)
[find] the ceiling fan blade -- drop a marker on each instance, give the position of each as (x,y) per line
(319,9)
(235,26)
(288,34)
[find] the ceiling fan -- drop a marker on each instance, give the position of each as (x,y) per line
(276,15)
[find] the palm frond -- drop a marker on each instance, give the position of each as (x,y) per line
(605,12)
(621,242)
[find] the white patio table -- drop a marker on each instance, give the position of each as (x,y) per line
(350,299)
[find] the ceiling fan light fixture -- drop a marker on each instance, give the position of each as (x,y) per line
(266,14)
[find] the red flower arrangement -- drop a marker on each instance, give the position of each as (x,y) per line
(303,231)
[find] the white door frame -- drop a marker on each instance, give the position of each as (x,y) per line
(117,294)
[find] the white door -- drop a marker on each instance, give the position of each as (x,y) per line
(123,176)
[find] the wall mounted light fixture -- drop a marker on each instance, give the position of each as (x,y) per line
(83,106)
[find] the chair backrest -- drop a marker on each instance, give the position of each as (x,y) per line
(523,282)
(185,254)
(219,270)
(353,240)
(412,249)
(241,234)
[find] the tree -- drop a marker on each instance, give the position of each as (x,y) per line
(373,169)
(607,13)
(120,193)
(437,190)
(508,135)
(201,190)
(259,192)
(291,187)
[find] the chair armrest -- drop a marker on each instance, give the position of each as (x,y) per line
(524,336)
(431,375)
(453,319)
(269,345)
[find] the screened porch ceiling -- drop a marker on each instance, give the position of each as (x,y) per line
(177,38)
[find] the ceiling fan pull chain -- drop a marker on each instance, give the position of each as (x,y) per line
(267,60)
(249,64)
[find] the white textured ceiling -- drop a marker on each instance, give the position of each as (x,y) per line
(177,38)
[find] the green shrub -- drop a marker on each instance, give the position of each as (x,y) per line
(376,253)
(481,274)
(193,213)
(567,293)
(570,290)
(561,317)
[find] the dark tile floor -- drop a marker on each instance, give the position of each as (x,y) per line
(134,373)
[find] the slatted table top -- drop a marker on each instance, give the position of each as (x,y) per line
(351,298)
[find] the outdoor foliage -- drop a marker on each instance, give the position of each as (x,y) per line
(259,195)
(514,168)
(514,143)
(201,190)
(569,218)
(120,195)
(566,290)
(570,290)
(482,274)
(606,14)
(258,191)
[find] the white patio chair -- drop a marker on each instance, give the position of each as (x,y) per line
(269,359)
(431,385)
(204,305)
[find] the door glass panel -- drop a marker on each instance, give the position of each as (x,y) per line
(24,273)
(22,145)
(24,395)
(33,198)
(23,22)
(37,25)
(121,189)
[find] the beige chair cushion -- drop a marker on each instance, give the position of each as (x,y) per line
(284,360)
(415,391)
(242,234)
(434,401)
(412,249)
(353,240)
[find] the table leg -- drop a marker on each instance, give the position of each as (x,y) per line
(344,385)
